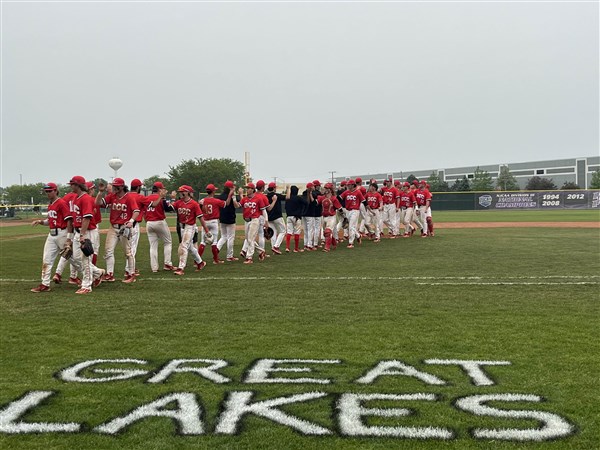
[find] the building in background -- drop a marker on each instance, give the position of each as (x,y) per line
(575,170)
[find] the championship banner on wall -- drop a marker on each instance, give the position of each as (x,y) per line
(538,200)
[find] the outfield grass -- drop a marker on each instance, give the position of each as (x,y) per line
(528,296)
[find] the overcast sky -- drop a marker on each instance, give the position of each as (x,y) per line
(305,88)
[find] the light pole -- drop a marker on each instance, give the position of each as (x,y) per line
(332,172)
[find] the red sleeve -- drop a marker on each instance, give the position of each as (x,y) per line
(198,210)
(336,203)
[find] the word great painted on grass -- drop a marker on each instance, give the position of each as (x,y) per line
(351,410)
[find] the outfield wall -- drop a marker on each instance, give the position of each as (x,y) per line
(471,201)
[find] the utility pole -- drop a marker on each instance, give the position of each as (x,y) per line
(332,172)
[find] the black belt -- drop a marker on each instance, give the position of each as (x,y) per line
(54,231)
(77,230)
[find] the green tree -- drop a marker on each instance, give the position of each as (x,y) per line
(506,181)
(411,178)
(482,181)
(437,183)
(595,183)
(461,185)
(199,172)
(540,184)
(23,195)
(148,182)
(570,185)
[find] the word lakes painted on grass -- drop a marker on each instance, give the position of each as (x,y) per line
(353,413)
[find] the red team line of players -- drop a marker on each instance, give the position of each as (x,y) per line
(322,213)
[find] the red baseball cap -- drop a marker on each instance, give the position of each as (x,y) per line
(397,183)
(317,183)
(159,185)
(416,182)
(90,185)
(406,184)
(229,184)
(358,179)
(309,185)
(343,183)
(272,185)
(423,182)
(250,186)
(118,182)
(136,183)
(260,183)
(77,179)
(211,187)
(351,181)
(185,188)
(328,186)
(427,186)
(50,187)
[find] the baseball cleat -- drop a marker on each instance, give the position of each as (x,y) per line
(248,261)
(57,278)
(261,256)
(178,272)
(326,250)
(350,246)
(276,251)
(41,288)
(200,266)
(233,258)
(243,254)
(287,250)
(168,267)
(83,291)
(109,277)
(129,279)
(377,240)
(99,279)
(75,281)
(218,261)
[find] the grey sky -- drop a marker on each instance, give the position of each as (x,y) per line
(306,88)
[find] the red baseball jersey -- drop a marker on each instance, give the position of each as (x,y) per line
(141,202)
(389,195)
(121,208)
(252,208)
(187,212)
(154,213)
(57,211)
(363,190)
(353,199)
(83,207)
(69,199)
(407,199)
(212,207)
(422,196)
(329,204)
(374,200)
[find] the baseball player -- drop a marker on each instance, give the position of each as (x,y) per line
(339,226)
(211,208)
(57,235)
(423,197)
(294,208)
(275,215)
(227,220)
(188,211)
(363,207)
(318,236)
(353,198)
(309,218)
(330,206)
(124,211)
(79,222)
(157,228)
(134,237)
(374,208)
(390,197)
(429,217)
(74,279)
(399,215)
(94,234)
(407,206)
(253,208)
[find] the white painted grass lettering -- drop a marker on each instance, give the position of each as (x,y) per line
(186,415)
(474,369)
(239,404)
(553,426)
(10,417)
(351,413)
(210,372)
(72,374)
(395,367)
(263,367)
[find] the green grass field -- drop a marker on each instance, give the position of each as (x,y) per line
(521,295)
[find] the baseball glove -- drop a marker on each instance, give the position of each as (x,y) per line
(209,238)
(66,252)
(87,248)
(269,233)
(345,223)
(125,232)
